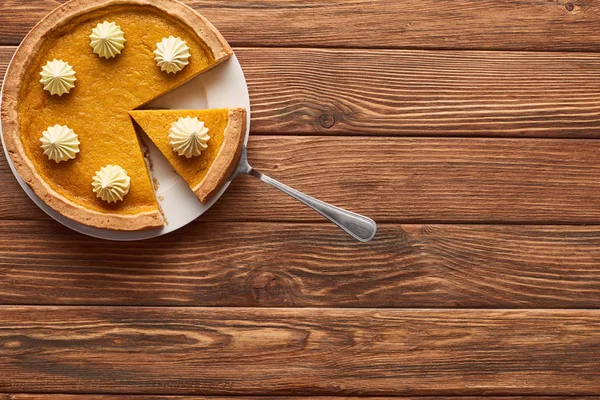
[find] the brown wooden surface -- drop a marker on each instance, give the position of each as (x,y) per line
(325,351)
(470,130)
(484,24)
(494,266)
(423,93)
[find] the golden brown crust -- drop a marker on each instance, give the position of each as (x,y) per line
(10,96)
(226,161)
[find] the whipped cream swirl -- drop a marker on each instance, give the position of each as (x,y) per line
(107,39)
(111,183)
(188,137)
(58,77)
(60,143)
(172,54)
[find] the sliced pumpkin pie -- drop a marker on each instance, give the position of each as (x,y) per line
(203,146)
(70,87)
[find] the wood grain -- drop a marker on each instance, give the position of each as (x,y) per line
(327,352)
(420,93)
(485,24)
(146,397)
(424,180)
(479,161)
(404,180)
(423,93)
(307,265)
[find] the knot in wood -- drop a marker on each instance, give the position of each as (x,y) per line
(265,287)
(327,120)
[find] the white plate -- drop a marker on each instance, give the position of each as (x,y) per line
(222,87)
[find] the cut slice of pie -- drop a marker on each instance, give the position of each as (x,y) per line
(96,109)
(207,172)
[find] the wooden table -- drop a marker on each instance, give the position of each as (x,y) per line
(469,130)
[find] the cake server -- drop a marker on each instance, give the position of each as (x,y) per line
(358,226)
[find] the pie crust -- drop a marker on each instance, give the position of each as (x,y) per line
(227,159)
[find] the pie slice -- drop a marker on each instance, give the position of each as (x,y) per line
(96,109)
(207,172)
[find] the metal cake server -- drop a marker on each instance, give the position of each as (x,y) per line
(358,226)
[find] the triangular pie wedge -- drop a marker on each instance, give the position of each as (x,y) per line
(206,173)
(97,108)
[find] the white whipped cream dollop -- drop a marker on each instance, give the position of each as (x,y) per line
(188,137)
(107,39)
(60,143)
(172,54)
(58,77)
(111,183)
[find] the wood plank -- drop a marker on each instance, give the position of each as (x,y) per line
(262,264)
(420,93)
(146,397)
(522,24)
(404,180)
(325,351)
(423,93)
(423,180)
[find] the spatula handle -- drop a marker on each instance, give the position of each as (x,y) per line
(358,226)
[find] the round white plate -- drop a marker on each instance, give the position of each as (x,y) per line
(222,87)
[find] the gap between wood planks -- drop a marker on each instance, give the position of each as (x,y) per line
(93,396)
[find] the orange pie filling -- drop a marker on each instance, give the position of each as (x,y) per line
(97,108)
(156,124)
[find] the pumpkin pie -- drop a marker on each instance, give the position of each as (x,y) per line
(206,171)
(95,112)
